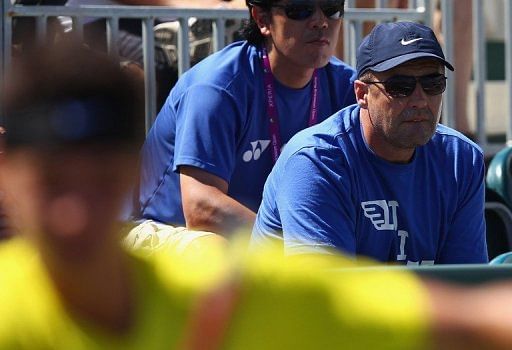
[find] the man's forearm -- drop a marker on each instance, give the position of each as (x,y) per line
(217,212)
(478,318)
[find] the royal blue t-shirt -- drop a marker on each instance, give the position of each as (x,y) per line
(329,190)
(215,119)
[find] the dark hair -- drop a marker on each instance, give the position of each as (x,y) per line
(250,30)
(366,76)
(67,95)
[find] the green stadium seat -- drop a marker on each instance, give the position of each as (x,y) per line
(499,174)
(498,203)
(505,258)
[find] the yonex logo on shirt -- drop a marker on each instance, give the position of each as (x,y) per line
(258,147)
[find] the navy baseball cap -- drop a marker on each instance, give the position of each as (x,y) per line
(391,44)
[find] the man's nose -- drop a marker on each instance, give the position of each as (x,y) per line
(319,19)
(418,97)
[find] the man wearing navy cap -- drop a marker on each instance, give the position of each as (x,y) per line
(382,178)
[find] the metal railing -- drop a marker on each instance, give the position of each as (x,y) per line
(112,14)
(353,34)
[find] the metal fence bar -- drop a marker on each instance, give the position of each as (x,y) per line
(418,10)
(148,40)
(348,33)
(384,14)
(353,21)
(123,11)
(508,65)
(352,35)
(112,37)
(183,46)
(78,27)
(449,96)
(479,70)
(41,29)
(7,39)
(4,43)
(428,6)
(219,33)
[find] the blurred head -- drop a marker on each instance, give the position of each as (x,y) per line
(401,78)
(73,122)
(303,31)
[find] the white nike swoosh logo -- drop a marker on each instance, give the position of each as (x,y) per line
(407,42)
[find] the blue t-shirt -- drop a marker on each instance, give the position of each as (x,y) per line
(215,119)
(329,190)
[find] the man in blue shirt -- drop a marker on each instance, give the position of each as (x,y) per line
(206,158)
(382,178)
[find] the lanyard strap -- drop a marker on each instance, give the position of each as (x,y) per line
(273,116)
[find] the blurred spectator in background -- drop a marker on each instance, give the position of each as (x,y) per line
(24,29)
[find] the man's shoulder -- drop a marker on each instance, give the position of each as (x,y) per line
(452,140)
(338,65)
(331,134)
(340,71)
(233,63)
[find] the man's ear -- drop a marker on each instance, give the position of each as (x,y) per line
(361,91)
(262,19)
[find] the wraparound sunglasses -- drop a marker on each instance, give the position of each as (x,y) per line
(301,10)
(404,85)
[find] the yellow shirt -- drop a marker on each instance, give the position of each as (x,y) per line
(281,304)
(32,317)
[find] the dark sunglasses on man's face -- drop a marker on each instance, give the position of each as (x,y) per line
(302,9)
(404,85)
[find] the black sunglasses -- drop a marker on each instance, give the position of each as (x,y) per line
(404,85)
(301,10)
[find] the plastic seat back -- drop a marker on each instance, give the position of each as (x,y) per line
(499,174)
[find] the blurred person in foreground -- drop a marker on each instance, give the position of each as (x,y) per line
(214,142)
(68,284)
(5,230)
(73,121)
(383,178)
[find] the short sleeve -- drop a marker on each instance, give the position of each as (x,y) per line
(208,122)
(314,203)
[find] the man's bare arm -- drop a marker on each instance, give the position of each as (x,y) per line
(207,206)
(471,318)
